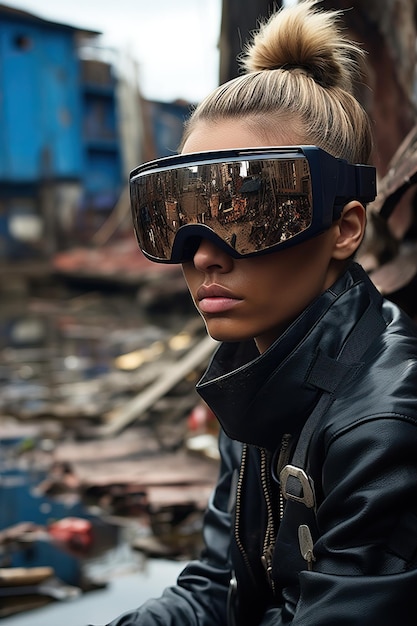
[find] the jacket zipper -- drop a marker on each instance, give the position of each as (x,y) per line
(283,458)
(269,539)
(270,533)
(238,511)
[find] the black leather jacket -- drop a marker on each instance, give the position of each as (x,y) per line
(362,461)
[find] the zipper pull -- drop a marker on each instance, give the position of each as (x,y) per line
(305,541)
(266,560)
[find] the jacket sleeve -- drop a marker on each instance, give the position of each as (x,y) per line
(200,596)
(366,557)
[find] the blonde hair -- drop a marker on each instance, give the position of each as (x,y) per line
(299,70)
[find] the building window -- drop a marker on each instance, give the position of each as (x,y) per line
(23,42)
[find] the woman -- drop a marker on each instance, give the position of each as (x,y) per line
(314,517)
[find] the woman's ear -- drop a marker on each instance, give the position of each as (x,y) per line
(351,229)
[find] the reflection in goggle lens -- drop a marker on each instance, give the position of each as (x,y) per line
(250,205)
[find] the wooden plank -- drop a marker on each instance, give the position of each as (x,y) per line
(142,402)
(24,575)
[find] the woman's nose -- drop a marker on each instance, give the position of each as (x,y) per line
(209,257)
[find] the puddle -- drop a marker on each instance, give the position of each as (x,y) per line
(76,557)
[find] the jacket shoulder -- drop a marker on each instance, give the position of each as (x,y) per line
(386,382)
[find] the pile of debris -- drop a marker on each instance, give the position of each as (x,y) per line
(100,424)
(389,252)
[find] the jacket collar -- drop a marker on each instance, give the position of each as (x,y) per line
(259,398)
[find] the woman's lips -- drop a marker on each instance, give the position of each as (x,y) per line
(216,299)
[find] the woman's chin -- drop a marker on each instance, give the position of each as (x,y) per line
(227,332)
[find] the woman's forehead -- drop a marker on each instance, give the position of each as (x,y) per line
(235,133)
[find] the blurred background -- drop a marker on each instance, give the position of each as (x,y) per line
(107,456)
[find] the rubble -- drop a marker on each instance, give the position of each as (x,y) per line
(98,394)
(389,251)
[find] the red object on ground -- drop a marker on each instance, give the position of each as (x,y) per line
(73,530)
(201,419)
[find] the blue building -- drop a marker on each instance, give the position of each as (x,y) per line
(60,151)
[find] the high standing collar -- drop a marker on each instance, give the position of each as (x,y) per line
(258,398)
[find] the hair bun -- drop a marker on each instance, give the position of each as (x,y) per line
(303,38)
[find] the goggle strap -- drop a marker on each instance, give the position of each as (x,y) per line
(355,182)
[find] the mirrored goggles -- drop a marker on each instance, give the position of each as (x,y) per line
(248,202)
